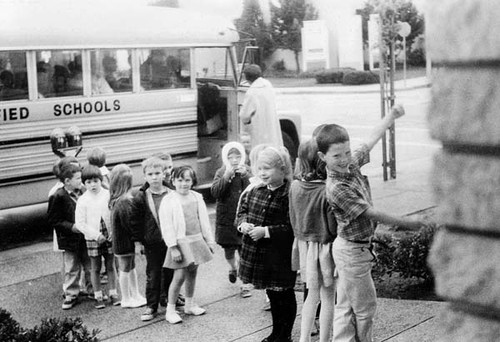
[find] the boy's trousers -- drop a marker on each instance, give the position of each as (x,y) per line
(158,279)
(356,297)
(73,264)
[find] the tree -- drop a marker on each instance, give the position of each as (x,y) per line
(286,22)
(392,11)
(251,24)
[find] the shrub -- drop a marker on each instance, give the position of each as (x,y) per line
(50,330)
(56,329)
(9,328)
(405,254)
(416,56)
(279,65)
(334,75)
(360,77)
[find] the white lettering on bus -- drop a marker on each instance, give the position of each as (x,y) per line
(12,114)
(86,107)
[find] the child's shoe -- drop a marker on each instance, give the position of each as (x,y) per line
(173,317)
(246,291)
(100,303)
(194,310)
(115,300)
(69,302)
(149,314)
(138,302)
(233,276)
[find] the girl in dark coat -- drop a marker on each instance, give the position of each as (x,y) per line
(229,182)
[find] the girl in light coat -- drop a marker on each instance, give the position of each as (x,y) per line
(187,233)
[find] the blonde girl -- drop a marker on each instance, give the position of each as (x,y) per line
(120,204)
(187,233)
(263,218)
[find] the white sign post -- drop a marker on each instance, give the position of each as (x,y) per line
(315,47)
(404,31)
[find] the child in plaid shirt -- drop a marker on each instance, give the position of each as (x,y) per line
(263,218)
(348,193)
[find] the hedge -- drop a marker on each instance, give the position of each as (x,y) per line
(405,253)
(360,77)
(335,75)
(51,329)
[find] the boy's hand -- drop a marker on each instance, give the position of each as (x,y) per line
(397,111)
(101,239)
(74,229)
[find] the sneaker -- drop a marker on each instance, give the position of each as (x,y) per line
(100,303)
(148,315)
(115,300)
(173,317)
(69,302)
(245,292)
(195,310)
(233,276)
(134,303)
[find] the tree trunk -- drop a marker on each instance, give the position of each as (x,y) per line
(297,61)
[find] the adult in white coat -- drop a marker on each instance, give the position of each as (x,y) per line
(258,113)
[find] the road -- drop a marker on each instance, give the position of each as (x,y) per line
(358,113)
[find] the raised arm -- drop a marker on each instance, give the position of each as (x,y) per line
(398,221)
(378,131)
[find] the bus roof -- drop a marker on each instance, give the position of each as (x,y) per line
(30,26)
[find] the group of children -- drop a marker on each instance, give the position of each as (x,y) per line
(319,220)
(98,218)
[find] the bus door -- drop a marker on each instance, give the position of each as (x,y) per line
(217,108)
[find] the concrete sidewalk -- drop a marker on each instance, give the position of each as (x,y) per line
(30,288)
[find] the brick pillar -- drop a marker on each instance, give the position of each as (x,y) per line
(464,41)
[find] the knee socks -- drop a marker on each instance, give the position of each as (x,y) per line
(283,312)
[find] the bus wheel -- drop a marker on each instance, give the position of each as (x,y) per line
(290,146)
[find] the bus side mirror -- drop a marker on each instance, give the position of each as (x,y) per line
(74,136)
(58,140)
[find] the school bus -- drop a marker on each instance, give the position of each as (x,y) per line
(134,81)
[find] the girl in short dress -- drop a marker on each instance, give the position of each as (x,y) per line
(315,228)
(187,233)
(263,218)
(120,205)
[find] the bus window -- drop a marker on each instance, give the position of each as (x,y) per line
(13,76)
(59,73)
(111,71)
(214,64)
(164,68)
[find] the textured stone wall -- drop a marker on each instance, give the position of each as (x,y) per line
(464,41)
